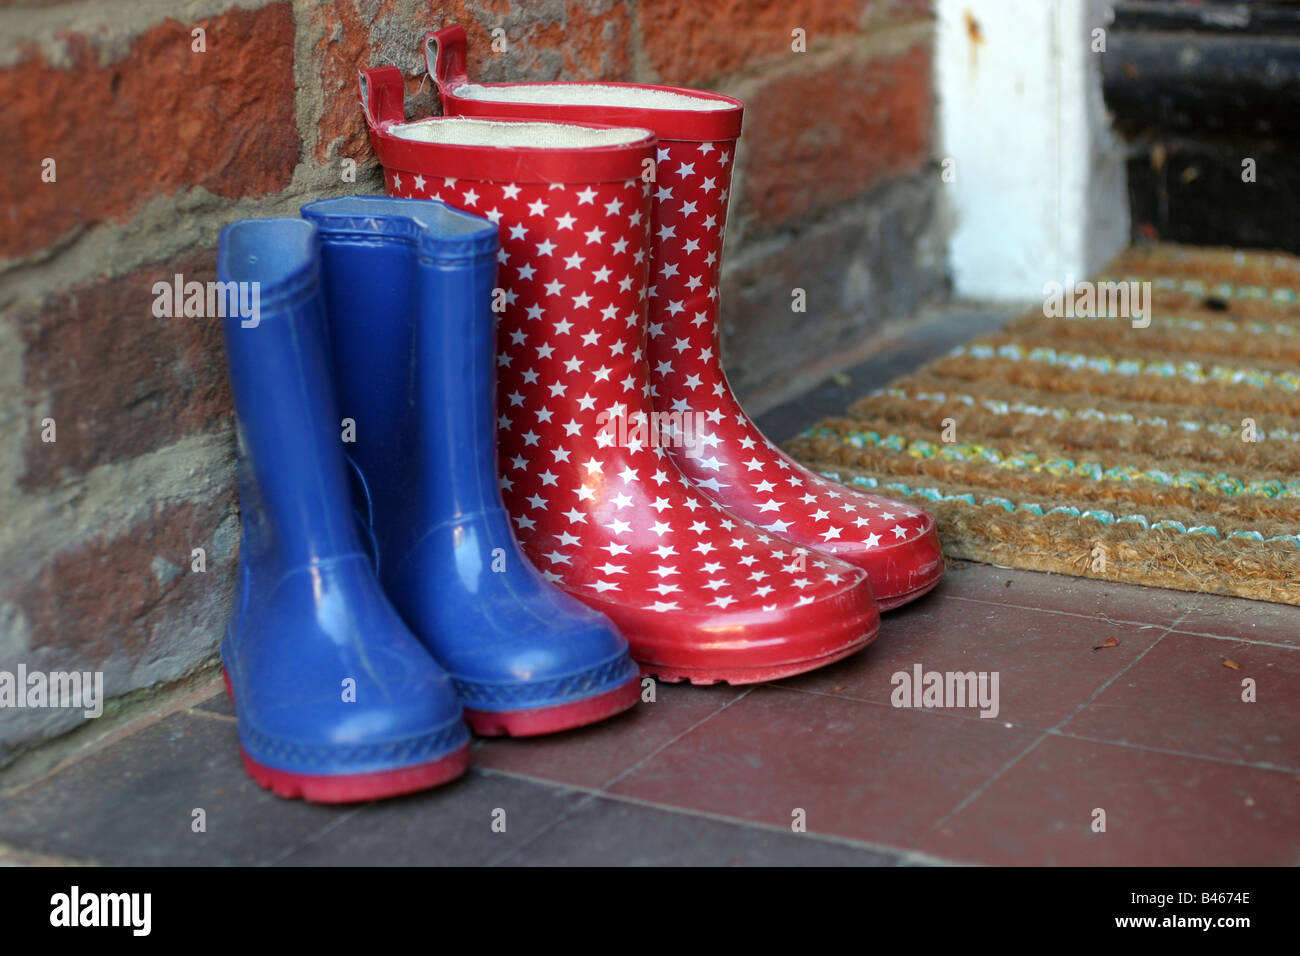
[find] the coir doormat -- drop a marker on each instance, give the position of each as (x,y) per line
(1155,442)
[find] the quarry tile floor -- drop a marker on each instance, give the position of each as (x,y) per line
(1121,737)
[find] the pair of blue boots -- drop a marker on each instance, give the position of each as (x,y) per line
(382,602)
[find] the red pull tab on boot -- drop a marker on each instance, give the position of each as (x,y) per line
(445,56)
(383,96)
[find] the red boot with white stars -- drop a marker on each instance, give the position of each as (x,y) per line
(895,543)
(598,504)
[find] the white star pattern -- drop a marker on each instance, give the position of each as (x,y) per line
(742,469)
(613,522)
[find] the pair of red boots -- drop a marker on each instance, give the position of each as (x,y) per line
(634,478)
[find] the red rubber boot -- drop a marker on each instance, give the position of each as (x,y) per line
(895,543)
(598,507)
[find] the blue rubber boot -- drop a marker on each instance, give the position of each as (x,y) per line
(408,292)
(336,700)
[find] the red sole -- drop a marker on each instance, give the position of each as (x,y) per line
(355,787)
(755,675)
(359,787)
(898,600)
(551,720)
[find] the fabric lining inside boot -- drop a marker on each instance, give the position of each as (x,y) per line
(589,94)
(457,131)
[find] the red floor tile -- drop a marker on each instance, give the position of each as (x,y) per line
(593,756)
(1161,810)
(1235,617)
(1182,696)
(1107,600)
(1045,663)
(858,770)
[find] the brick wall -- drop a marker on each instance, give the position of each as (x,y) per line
(155,146)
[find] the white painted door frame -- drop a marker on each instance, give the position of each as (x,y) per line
(1035,185)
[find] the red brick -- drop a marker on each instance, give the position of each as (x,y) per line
(161,119)
(117,381)
(585,41)
(821,138)
(688,42)
(594,40)
(104,601)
